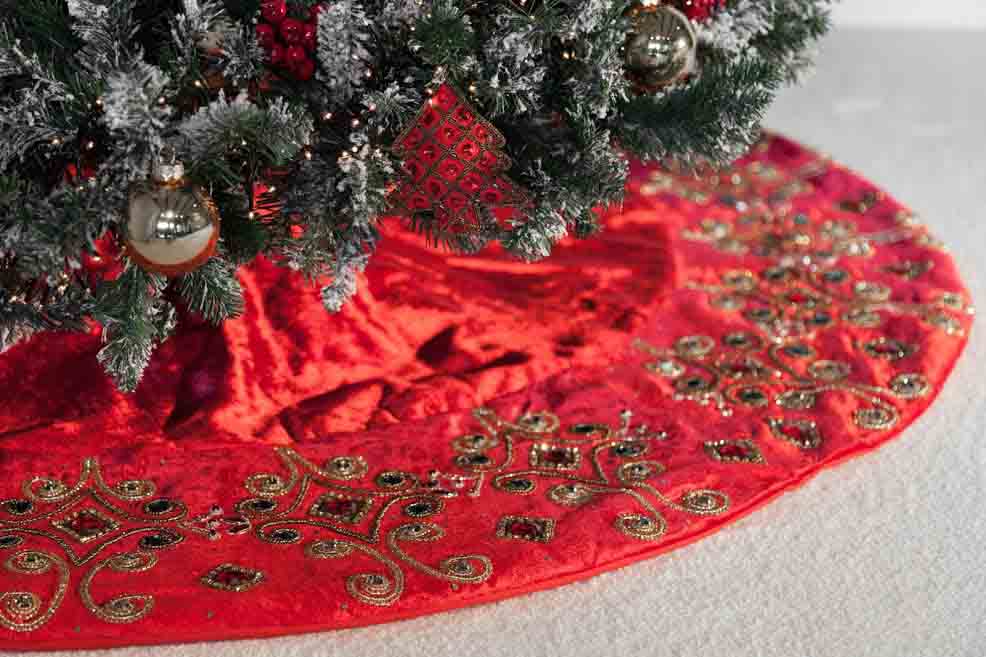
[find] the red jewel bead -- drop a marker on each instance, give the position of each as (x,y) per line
(266,36)
(228,578)
(274,11)
(292,31)
(294,56)
(556,456)
(314,12)
(304,70)
(278,53)
(795,433)
(309,36)
(731,451)
(524,529)
(339,507)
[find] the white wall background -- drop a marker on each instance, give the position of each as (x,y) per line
(968,14)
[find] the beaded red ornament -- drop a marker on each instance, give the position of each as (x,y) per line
(453,165)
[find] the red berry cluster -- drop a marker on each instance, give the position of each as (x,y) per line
(289,42)
(700,10)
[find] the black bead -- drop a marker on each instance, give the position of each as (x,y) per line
(160,540)
(10,541)
(159,506)
(18,507)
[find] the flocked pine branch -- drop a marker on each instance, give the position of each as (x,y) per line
(343,48)
(135,320)
(92,93)
(213,291)
(278,131)
(190,28)
(133,113)
(107,31)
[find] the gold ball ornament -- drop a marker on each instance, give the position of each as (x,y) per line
(172,226)
(660,47)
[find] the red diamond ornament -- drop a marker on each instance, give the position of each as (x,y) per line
(453,165)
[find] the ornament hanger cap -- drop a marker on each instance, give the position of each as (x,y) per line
(169,170)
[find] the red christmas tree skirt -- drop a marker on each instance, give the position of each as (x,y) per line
(471,428)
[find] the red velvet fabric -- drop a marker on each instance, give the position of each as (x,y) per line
(745,258)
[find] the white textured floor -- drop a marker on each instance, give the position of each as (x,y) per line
(880,557)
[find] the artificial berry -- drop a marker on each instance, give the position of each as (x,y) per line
(292,31)
(278,53)
(274,11)
(700,10)
(309,36)
(294,56)
(266,36)
(303,70)
(288,40)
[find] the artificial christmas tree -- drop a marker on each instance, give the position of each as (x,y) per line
(292,119)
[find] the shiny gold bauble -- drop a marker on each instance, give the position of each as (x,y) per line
(660,46)
(172,226)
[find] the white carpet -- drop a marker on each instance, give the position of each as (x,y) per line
(880,557)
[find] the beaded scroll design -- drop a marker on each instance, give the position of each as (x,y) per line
(363,525)
(802,293)
(454,166)
(332,512)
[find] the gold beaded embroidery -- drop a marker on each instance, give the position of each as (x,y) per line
(232,577)
(86,525)
(371,588)
(124,608)
(25,612)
